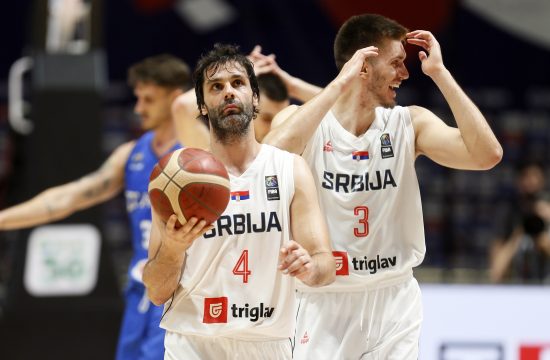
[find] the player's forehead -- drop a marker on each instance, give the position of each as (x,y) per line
(143,88)
(392,49)
(227,70)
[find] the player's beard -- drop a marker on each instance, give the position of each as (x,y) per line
(378,89)
(234,126)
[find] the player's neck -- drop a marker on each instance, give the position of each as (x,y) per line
(237,156)
(355,111)
(164,138)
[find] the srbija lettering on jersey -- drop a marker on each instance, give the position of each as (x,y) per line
(231,285)
(369,194)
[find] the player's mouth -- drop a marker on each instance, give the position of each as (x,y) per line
(231,109)
(393,89)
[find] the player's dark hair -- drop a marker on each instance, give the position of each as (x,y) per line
(222,55)
(273,87)
(365,30)
(163,70)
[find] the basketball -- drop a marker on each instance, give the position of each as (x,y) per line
(189,182)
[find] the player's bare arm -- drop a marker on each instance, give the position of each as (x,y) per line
(297,88)
(167,247)
(309,257)
(472,145)
(190,130)
(294,133)
(61,201)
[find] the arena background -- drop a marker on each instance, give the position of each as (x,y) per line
(498,50)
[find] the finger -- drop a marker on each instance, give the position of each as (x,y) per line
(282,255)
(291,258)
(171,223)
(206,229)
(301,271)
(189,225)
(417,33)
(298,263)
(197,228)
(422,55)
(422,43)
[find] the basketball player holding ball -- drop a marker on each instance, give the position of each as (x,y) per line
(156,81)
(228,287)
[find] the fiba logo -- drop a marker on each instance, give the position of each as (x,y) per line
(341,259)
(215,310)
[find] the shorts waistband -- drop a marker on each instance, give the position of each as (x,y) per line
(359,287)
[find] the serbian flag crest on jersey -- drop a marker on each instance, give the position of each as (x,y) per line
(240,195)
(360,155)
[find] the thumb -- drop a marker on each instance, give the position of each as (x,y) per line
(422,55)
(282,255)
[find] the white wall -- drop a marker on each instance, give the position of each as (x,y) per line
(485,322)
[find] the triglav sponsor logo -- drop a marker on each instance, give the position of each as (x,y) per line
(341,259)
(215,310)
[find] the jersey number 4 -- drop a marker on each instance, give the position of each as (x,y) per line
(363,228)
(241,267)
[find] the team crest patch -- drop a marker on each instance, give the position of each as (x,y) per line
(272,187)
(386,148)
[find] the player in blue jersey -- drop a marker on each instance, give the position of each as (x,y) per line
(156,81)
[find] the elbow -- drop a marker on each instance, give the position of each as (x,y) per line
(491,158)
(157,299)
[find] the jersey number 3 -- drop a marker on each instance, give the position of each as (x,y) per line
(241,267)
(363,228)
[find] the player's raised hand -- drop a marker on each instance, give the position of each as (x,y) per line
(263,64)
(355,66)
(431,58)
(294,260)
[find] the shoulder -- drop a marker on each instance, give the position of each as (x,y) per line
(122,152)
(185,102)
(283,115)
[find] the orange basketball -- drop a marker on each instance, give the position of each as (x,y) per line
(189,182)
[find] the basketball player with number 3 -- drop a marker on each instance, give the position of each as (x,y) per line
(229,287)
(362,148)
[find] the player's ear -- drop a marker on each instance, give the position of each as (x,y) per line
(255,100)
(364,71)
(204,112)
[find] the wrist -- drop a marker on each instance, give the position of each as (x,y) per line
(172,252)
(439,73)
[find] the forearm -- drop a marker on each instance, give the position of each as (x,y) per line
(300,90)
(323,270)
(294,133)
(476,133)
(48,206)
(162,273)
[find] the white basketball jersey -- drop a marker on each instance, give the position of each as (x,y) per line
(369,194)
(231,285)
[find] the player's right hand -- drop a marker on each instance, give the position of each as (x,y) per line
(185,234)
(355,66)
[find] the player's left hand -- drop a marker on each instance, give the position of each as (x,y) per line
(294,260)
(431,58)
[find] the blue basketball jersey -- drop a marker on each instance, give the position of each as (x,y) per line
(140,163)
